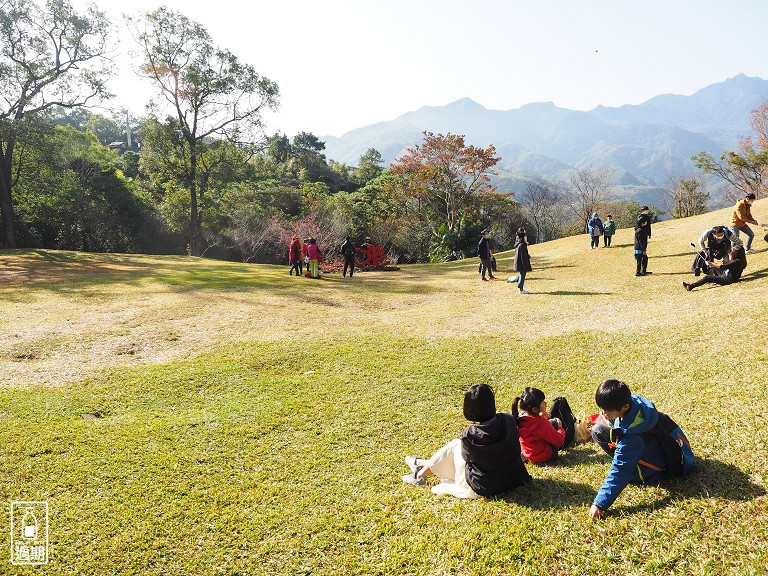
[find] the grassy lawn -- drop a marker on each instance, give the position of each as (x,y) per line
(255,423)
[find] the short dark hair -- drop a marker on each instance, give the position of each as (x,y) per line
(613,395)
(479,403)
(751,196)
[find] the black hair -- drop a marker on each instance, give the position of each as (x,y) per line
(613,395)
(479,403)
(529,400)
(738,253)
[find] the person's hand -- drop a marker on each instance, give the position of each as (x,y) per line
(595,513)
(559,422)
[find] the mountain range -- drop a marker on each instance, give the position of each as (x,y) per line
(645,143)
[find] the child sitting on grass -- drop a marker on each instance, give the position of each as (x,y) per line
(540,436)
(638,457)
(484,461)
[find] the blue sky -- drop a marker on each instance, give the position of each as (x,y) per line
(343,64)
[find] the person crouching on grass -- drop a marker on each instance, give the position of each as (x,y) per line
(638,456)
(484,461)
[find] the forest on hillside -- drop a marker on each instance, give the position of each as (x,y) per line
(198,174)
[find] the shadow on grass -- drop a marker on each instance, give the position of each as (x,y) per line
(756,275)
(691,254)
(574,293)
(555,266)
(710,479)
(550,494)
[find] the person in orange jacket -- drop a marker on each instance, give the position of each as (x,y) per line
(741,216)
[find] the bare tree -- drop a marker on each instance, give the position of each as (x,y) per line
(543,205)
(589,187)
(49,56)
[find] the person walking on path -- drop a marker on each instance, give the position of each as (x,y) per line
(609,228)
(595,229)
(741,216)
(642,234)
(522,259)
(484,253)
(348,251)
(294,256)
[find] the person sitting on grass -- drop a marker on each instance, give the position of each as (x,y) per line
(637,457)
(484,461)
(540,436)
(723,274)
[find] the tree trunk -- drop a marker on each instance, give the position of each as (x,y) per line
(194,224)
(6,203)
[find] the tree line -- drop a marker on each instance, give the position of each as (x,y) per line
(201,177)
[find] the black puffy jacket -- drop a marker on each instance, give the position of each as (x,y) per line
(492,452)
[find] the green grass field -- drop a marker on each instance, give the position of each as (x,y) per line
(249,422)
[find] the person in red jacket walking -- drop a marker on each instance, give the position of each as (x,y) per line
(540,437)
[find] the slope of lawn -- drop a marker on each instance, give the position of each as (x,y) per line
(249,422)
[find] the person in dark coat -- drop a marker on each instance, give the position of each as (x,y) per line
(642,234)
(522,260)
(484,461)
(484,253)
(348,251)
(723,274)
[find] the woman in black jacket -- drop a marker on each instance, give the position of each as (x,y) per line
(484,461)
(723,274)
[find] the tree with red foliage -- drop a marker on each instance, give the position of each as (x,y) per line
(444,179)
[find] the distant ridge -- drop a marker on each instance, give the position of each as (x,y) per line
(645,143)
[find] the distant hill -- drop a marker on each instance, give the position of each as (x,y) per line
(645,142)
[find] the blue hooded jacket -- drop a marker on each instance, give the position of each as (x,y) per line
(593,223)
(630,450)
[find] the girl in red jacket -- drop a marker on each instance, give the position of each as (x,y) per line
(540,437)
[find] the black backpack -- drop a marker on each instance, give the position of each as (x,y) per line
(678,456)
(561,409)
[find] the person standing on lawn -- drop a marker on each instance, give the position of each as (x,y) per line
(595,229)
(294,256)
(348,251)
(642,234)
(315,257)
(522,260)
(484,253)
(609,229)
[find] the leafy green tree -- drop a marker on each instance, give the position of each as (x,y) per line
(78,198)
(685,196)
(745,171)
(369,166)
(50,55)
(211,94)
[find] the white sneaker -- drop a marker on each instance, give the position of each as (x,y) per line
(414,463)
(524,291)
(412,479)
(751,251)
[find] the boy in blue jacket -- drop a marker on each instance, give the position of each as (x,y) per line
(636,459)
